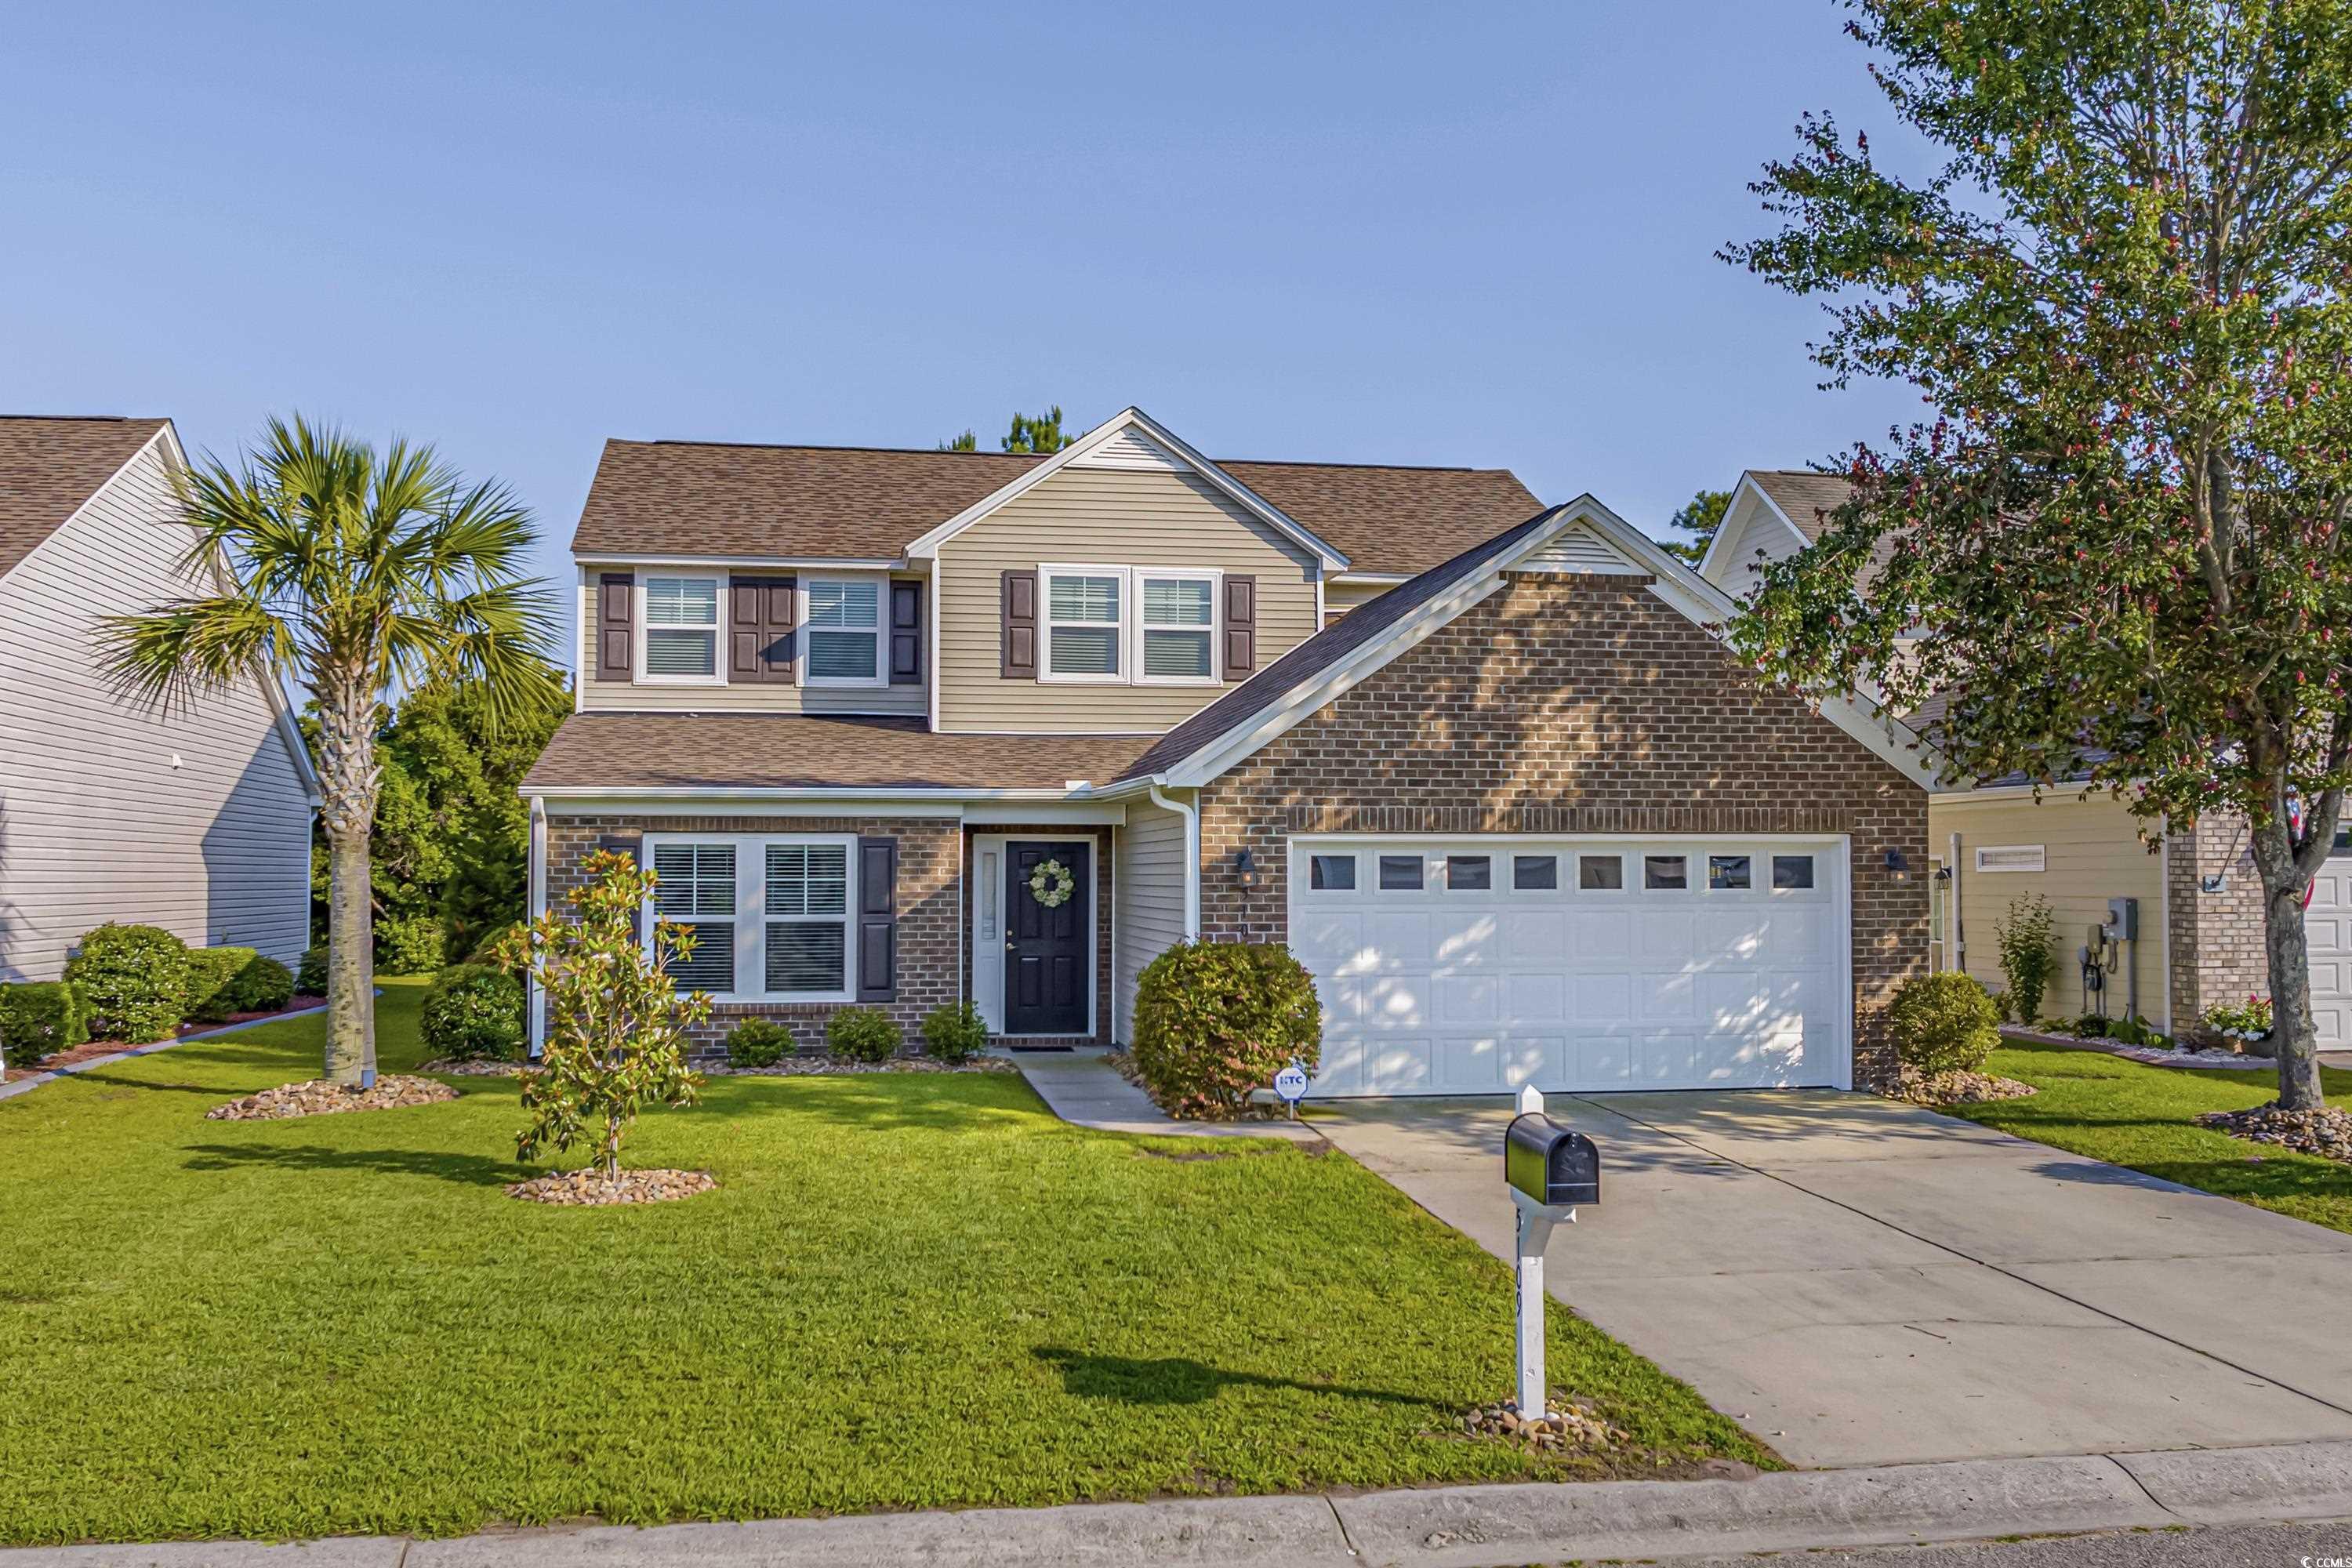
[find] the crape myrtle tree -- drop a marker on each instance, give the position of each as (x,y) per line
(2118,549)
(349,573)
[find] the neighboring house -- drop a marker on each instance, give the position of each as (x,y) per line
(1520,814)
(196,820)
(2198,900)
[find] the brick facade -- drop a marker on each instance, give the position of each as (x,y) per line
(1569,705)
(2216,939)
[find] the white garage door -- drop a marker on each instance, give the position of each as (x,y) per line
(2327,931)
(1472,966)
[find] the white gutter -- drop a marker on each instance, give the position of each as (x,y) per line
(1192,816)
(535,868)
(837,792)
(755,562)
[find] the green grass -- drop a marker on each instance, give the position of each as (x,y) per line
(2129,1114)
(910,1291)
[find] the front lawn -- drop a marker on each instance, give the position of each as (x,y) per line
(2129,1114)
(910,1291)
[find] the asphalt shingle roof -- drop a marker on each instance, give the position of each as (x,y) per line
(48,467)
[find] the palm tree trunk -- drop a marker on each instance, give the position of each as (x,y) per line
(2292,1032)
(351,961)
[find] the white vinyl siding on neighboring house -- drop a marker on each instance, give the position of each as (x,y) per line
(1103,517)
(1150,911)
(1339,597)
(197,821)
(764,697)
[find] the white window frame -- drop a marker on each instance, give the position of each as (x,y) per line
(1131,626)
(645,627)
(1216,579)
(803,597)
(751,912)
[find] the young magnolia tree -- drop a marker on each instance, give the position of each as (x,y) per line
(348,572)
(2119,549)
(616,1023)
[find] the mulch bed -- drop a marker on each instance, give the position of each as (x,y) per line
(1570,1425)
(593,1187)
(1123,1064)
(1957,1087)
(320,1098)
(89,1051)
(2324,1131)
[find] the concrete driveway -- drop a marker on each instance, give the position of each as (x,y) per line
(1860,1283)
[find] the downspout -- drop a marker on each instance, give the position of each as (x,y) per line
(537,907)
(1192,816)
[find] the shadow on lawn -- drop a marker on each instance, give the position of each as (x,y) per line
(467,1170)
(1180,1380)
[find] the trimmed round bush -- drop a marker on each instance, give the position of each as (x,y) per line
(225,981)
(409,945)
(955,1034)
(486,950)
(862,1034)
(263,985)
(1942,1023)
(1215,1020)
(135,979)
(310,975)
(473,1013)
(759,1043)
(40,1018)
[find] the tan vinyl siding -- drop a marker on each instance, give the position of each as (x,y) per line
(1111,517)
(95,824)
(1150,910)
(2091,853)
(1338,598)
(764,697)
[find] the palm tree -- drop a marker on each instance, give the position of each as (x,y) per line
(352,575)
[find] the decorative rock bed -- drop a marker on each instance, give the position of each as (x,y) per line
(1956,1087)
(815,1066)
(592,1187)
(449,1067)
(319,1097)
(1570,1425)
(2323,1131)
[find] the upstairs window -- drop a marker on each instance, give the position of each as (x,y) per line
(1084,628)
(681,641)
(1179,621)
(844,631)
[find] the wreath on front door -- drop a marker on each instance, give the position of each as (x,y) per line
(1051,884)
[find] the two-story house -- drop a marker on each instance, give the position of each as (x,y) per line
(903,728)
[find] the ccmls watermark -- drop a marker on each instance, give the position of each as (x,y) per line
(2327,1563)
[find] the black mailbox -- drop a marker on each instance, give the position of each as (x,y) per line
(1551,1163)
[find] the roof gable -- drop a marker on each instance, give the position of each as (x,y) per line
(50,468)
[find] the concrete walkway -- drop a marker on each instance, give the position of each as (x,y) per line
(1864,1283)
(1438,1527)
(1084,1090)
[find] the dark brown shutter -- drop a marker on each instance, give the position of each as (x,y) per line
(1241,628)
(760,634)
(632,844)
(906,634)
(877,920)
(617,607)
(1020,625)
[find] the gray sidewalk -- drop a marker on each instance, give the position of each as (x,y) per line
(1085,1090)
(1451,1527)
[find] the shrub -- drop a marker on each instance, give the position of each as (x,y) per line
(311,977)
(2089,1026)
(473,1011)
(2025,930)
(2002,1009)
(225,981)
(40,1018)
(862,1034)
(1942,1023)
(2128,1031)
(955,1034)
(615,1022)
(2250,1022)
(1217,1020)
(486,950)
(409,945)
(759,1043)
(135,979)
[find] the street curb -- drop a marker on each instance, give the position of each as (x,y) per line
(1447,1527)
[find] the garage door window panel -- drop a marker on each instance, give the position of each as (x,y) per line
(1601,873)
(1792,873)
(1331,873)
(1535,873)
(1469,873)
(1728,873)
(1400,873)
(1665,873)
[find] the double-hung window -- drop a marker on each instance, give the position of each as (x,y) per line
(1178,629)
(771,913)
(1084,628)
(844,631)
(1146,626)
(681,635)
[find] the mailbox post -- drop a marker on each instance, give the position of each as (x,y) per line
(1549,1169)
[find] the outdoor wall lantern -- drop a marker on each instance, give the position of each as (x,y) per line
(1245,868)
(1897,866)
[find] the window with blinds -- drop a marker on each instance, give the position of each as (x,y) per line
(1179,625)
(1083,626)
(694,883)
(844,631)
(806,938)
(681,635)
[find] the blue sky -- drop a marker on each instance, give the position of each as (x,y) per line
(1360,232)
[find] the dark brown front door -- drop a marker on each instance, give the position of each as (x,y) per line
(1048,953)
